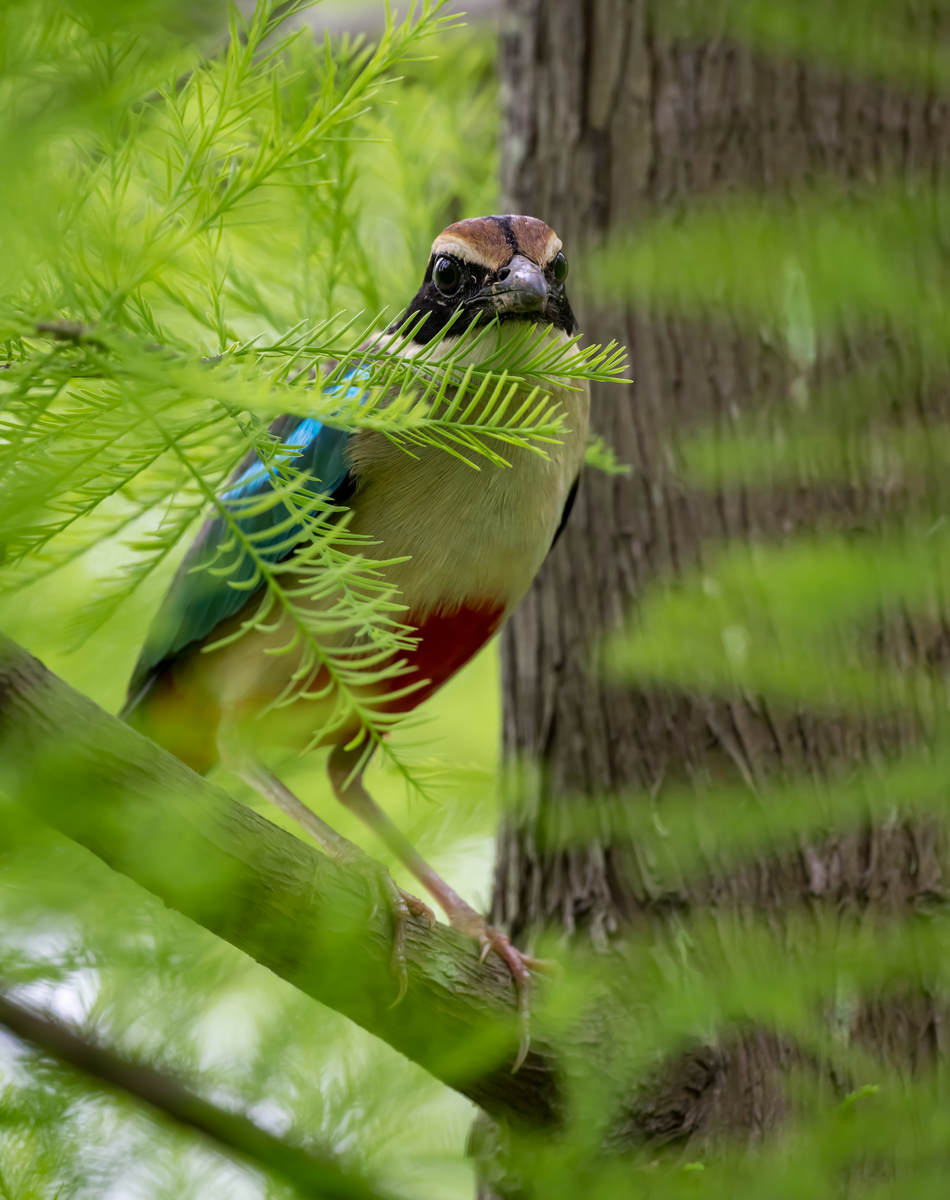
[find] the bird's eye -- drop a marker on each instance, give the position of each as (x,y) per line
(559,268)
(447,275)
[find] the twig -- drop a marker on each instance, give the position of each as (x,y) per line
(314,1175)
(68,331)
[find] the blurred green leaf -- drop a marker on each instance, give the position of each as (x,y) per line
(894,40)
(794,621)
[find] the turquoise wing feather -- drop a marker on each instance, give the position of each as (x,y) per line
(199,600)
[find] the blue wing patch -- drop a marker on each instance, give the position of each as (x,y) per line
(253,477)
(199,600)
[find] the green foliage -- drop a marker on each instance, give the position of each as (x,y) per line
(781,621)
(878,38)
(220,209)
(823,257)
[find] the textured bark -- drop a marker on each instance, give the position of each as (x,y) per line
(608,121)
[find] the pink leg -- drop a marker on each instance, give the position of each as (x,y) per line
(400,903)
(346,768)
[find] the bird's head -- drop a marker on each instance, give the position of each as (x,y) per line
(505,268)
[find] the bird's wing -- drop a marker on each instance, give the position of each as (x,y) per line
(566,512)
(199,600)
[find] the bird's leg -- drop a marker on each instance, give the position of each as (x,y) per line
(346,777)
(400,903)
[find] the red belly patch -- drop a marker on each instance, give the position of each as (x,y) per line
(446,642)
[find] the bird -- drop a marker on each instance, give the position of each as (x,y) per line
(458,548)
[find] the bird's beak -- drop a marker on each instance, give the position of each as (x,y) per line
(520,287)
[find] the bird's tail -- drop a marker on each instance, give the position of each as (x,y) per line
(181,722)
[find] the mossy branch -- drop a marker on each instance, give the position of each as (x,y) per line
(311,921)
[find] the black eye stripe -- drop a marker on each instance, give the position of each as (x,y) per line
(472,297)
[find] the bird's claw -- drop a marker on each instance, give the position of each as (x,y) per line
(418,908)
(402,907)
(521,965)
(491,936)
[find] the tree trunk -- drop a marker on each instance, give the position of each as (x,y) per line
(609,120)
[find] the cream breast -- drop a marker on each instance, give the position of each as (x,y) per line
(468,533)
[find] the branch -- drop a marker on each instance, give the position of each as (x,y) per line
(233,1133)
(67,331)
(308,919)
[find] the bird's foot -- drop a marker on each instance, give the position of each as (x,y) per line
(495,941)
(401,906)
